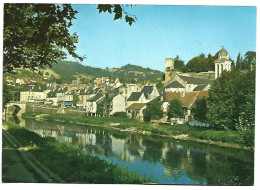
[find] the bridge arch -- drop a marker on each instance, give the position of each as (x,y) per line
(14,108)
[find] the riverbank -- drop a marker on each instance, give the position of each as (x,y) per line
(71,164)
(223,138)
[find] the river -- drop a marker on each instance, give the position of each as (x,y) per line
(168,161)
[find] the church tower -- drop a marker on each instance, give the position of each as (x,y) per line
(223,62)
(169,69)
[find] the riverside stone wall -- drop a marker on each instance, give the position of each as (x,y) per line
(50,110)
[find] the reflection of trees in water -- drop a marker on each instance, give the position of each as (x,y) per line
(201,163)
(176,159)
(197,166)
(153,151)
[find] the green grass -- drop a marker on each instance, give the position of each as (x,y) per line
(71,163)
(227,136)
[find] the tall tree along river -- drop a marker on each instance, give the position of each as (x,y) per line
(168,161)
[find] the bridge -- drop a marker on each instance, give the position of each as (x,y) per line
(15,108)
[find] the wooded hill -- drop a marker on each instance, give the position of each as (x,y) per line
(66,71)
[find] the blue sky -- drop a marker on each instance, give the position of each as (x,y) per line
(162,32)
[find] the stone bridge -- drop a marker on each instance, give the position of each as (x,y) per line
(15,108)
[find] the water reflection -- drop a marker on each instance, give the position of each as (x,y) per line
(167,160)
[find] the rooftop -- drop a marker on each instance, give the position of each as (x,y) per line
(136,106)
(134,96)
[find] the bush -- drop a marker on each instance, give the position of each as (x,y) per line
(120,114)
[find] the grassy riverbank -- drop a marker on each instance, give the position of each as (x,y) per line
(226,138)
(72,164)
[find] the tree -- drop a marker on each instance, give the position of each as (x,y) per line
(159,87)
(155,109)
(36,35)
(6,95)
(239,61)
(100,110)
(118,11)
(229,96)
(175,109)
(75,99)
(178,64)
(197,64)
(200,109)
(211,64)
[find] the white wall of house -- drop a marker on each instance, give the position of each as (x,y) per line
(132,88)
(154,94)
(165,106)
(54,100)
(60,97)
(27,96)
(91,106)
(174,89)
(190,87)
(68,97)
(142,99)
(118,104)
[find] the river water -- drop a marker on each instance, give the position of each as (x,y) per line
(168,161)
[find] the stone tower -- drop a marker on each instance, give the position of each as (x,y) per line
(169,69)
(223,62)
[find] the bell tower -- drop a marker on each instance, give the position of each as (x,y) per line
(223,63)
(169,69)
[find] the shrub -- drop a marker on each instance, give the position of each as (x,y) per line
(120,114)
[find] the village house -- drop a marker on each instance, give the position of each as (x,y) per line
(183,84)
(117,83)
(10,81)
(127,89)
(113,103)
(136,97)
(150,92)
(33,93)
(82,98)
(92,103)
(21,81)
(136,111)
(188,102)
(61,93)
(68,97)
(52,98)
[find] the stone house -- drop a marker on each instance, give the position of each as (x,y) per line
(52,97)
(92,103)
(82,98)
(185,84)
(10,80)
(136,97)
(113,103)
(188,102)
(33,93)
(166,97)
(61,93)
(127,89)
(136,111)
(68,97)
(150,92)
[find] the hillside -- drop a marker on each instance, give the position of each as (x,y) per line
(66,71)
